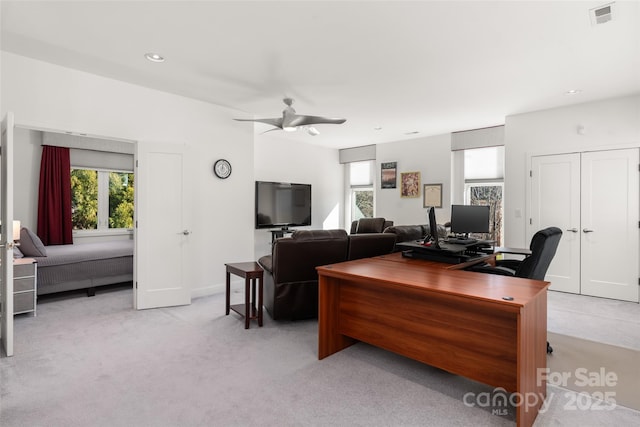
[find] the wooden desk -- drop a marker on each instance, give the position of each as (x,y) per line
(451,319)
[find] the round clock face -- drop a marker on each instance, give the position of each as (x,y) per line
(222,168)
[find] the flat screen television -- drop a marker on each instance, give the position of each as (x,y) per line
(282,204)
(467,219)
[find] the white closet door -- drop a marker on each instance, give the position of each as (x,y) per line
(555,201)
(162,235)
(609,229)
(6,239)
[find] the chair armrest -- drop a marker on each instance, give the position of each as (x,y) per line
(501,271)
(512,264)
(516,251)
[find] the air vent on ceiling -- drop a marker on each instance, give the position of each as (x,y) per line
(601,14)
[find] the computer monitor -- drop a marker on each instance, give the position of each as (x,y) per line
(433,226)
(467,219)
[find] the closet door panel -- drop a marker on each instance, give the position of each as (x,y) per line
(609,229)
(555,201)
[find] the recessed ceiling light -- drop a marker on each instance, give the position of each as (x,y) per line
(154,57)
(573,92)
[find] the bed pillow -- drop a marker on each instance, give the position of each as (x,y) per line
(30,243)
(17,253)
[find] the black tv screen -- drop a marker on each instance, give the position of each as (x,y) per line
(282,204)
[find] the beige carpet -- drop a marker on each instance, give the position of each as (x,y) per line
(600,370)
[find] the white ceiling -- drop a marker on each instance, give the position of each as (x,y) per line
(417,66)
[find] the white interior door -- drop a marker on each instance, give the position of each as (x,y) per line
(610,237)
(555,201)
(6,234)
(161,231)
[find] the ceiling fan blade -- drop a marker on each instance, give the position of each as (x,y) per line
(299,120)
(273,122)
(269,130)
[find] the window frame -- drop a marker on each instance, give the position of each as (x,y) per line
(103,205)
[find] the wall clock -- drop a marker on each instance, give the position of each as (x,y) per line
(222,168)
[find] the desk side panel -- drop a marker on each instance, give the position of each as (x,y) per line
(532,358)
(330,340)
(465,336)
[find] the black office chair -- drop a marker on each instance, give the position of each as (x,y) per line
(543,248)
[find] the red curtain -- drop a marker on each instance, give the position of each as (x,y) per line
(54,197)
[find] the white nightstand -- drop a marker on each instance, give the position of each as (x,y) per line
(25,287)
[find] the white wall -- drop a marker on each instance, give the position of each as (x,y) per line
(281,160)
(48,96)
(431,156)
(611,123)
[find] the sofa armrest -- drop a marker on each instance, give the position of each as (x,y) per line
(266,262)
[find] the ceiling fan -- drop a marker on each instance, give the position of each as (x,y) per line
(290,121)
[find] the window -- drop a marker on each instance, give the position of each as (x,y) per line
(101,199)
(361,185)
(484,183)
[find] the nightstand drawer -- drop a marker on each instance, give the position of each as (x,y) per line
(23,301)
(24,284)
(24,270)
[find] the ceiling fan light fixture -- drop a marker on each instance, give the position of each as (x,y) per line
(289,128)
(313,131)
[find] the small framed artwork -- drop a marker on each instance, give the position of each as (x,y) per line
(432,195)
(388,175)
(410,184)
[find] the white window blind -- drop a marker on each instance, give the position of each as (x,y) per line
(477,138)
(484,163)
(361,174)
(93,153)
(358,154)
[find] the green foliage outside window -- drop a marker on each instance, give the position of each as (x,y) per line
(364,204)
(120,200)
(84,199)
(490,195)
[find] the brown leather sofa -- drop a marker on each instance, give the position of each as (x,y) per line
(290,277)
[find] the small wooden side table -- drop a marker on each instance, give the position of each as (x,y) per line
(250,271)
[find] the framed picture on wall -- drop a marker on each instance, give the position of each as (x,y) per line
(432,194)
(410,184)
(388,175)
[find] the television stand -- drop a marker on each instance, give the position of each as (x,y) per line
(280,232)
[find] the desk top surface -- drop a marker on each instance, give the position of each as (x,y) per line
(431,276)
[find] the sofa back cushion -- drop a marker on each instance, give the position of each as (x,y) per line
(295,259)
(406,233)
(370,245)
(370,225)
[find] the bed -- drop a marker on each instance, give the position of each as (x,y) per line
(84,266)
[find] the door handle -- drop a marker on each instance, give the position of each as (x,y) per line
(586,230)
(184,232)
(573,230)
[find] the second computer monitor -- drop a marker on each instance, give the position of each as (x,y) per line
(433,226)
(467,219)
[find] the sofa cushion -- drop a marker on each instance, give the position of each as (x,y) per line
(406,233)
(370,244)
(303,235)
(370,225)
(30,243)
(266,262)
